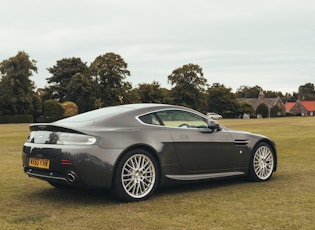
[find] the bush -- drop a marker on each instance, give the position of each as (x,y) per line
(289,114)
(228,114)
(52,110)
(7,119)
(275,111)
(263,110)
(70,109)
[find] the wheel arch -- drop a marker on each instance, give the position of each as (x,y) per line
(145,147)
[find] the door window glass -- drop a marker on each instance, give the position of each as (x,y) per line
(183,119)
(150,119)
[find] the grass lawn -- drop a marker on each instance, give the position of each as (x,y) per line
(287,201)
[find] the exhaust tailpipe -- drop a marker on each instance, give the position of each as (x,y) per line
(71,177)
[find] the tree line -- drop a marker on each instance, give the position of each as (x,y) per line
(76,87)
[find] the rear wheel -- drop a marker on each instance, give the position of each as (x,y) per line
(262,163)
(136,176)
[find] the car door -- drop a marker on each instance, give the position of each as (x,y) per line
(197,147)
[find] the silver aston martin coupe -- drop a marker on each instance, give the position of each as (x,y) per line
(134,149)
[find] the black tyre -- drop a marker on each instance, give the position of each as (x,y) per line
(136,176)
(262,163)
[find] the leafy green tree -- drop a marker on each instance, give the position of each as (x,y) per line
(128,95)
(248,92)
(273,94)
(245,107)
(307,92)
(52,110)
(62,74)
(134,94)
(168,99)
(152,93)
(16,89)
(188,86)
(253,92)
(108,72)
(81,91)
(263,110)
(289,98)
(221,100)
(37,105)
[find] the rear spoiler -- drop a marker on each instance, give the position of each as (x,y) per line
(52,128)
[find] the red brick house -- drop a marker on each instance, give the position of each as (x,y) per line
(303,108)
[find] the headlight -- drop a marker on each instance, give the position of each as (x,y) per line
(75,139)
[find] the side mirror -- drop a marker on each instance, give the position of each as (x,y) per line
(213,126)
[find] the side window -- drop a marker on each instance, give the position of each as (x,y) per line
(149,119)
(183,119)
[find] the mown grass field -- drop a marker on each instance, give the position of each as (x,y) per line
(287,201)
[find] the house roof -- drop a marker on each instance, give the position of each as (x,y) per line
(270,102)
(289,105)
(309,105)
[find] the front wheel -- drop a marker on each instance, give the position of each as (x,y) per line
(262,163)
(136,176)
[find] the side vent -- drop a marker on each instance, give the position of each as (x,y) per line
(241,142)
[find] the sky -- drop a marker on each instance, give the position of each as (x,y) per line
(269,43)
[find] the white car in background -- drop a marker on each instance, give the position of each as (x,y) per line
(214,116)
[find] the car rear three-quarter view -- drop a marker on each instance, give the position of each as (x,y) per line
(134,149)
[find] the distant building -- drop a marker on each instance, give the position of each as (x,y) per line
(269,102)
(303,108)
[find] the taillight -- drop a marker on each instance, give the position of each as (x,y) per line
(66,162)
(75,139)
(60,138)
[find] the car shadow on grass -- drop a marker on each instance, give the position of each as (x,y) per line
(80,196)
(202,185)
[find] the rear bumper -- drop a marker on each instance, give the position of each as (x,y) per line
(47,176)
(90,166)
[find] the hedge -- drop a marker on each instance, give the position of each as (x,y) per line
(7,119)
(47,119)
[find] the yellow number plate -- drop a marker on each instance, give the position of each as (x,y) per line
(39,163)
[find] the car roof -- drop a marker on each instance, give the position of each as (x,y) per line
(115,116)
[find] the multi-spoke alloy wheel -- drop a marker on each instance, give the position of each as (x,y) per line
(262,163)
(136,176)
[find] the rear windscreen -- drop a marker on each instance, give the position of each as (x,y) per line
(95,114)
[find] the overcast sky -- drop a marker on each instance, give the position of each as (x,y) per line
(270,43)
